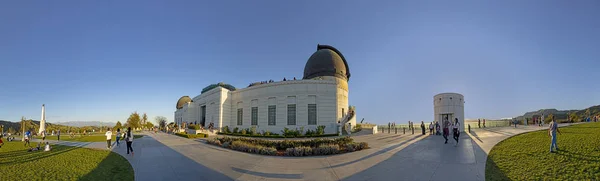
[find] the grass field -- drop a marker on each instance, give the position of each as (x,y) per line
(62,163)
(527,156)
(92,138)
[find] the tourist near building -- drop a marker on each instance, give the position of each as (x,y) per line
(319,98)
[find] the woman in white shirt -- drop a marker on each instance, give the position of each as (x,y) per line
(456,129)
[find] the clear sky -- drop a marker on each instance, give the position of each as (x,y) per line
(102,60)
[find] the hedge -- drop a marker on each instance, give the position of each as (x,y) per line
(290,147)
(276,136)
(199,135)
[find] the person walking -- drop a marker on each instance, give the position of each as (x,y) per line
(43,135)
(431,128)
(129,141)
(542,120)
(456,130)
(437,128)
(445,125)
(479,123)
(423,127)
(108,138)
(552,133)
(27,136)
(118,136)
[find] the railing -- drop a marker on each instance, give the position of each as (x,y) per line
(404,128)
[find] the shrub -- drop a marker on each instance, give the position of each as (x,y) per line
(252,131)
(289,133)
(266,133)
(194,126)
(225,145)
(199,135)
(235,130)
(309,133)
(298,151)
(244,132)
(214,142)
(268,151)
(226,129)
(326,149)
(320,130)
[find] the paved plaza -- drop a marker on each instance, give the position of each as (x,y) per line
(391,157)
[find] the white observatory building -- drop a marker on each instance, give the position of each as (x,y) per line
(450,105)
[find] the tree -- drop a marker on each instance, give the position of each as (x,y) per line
(118,126)
(149,125)
(574,117)
(11,130)
(144,119)
(134,120)
(162,121)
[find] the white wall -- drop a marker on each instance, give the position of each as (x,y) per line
(324,90)
(449,103)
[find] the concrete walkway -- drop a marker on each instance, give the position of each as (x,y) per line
(391,157)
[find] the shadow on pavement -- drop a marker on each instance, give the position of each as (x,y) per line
(382,151)
(154,160)
(269,175)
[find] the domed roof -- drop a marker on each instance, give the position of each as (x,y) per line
(182,101)
(326,61)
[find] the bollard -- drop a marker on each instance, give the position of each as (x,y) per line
(395,130)
(404,130)
(413,130)
(469,128)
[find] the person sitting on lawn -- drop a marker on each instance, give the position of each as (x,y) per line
(47,147)
(1,143)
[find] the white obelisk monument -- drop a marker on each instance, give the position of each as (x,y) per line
(43,120)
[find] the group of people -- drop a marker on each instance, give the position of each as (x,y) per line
(127,136)
(479,123)
(39,147)
(445,132)
(266,82)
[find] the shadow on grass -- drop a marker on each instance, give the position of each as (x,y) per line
(113,167)
(36,155)
(493,172)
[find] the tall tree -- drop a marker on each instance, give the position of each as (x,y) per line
(144,119)
(134,120)
(161,120)
(118,126)
(11,130)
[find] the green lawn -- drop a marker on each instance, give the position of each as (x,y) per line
(62,163)
(527,156)
(92,138)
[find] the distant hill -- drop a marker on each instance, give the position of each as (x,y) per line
(562,114)
(86,123)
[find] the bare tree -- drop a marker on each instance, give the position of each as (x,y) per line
(162,121)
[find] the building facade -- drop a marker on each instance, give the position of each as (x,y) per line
(319,98)
(449,105)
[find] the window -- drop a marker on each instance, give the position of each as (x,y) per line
(272,114)
(291,114)
(239,116)
(312,114)
(254,116)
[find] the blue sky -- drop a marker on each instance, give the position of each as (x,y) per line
(102,60)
